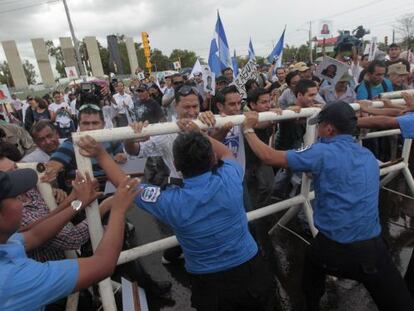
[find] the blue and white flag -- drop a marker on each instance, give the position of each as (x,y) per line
(252,55)
(235,65)
(277,52)
(223,46)
(213,59)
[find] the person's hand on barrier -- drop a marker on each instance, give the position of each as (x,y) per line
(251,119)
(387,103)
(409,101)
(207,118)
(278,111)
(137,128)
(59,195)
(187,125)
(120,158)
(295,109)
(85,189)
(125,194)
(50,173)
(364,105)
(89,147)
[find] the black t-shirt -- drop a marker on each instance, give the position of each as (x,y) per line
(148,110)
(400,60)
(290,134)
(251,158)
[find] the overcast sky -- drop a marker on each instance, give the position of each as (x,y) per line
(189,24)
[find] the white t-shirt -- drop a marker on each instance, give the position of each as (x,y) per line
(235,142)
(121,100)
(55,107)
(161,145)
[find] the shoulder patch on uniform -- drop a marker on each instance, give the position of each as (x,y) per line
(304,148)
(150,194)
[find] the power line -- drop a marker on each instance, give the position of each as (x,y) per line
(28,6)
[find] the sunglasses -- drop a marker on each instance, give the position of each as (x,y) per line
(187,89)
(91,106)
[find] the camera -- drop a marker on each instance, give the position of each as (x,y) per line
(346,41)
(89,93)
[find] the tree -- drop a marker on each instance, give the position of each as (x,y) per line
(160,61)
(29,71)
(5,75)
(56,52)
(405,28)
(187,58)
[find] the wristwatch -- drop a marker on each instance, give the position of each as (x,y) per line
(247,131)
(76,205)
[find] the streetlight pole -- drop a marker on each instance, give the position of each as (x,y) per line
(75,41)
(310,42)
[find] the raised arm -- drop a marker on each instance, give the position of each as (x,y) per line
(49,228)
(89,147)
(103,262)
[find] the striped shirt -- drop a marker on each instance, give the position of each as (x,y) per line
(71,237)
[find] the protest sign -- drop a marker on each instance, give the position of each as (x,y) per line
(209,79)
(325,29)
(71,72)
(331,70)
(141,76)
(371,48)
(177,65)
(248,72)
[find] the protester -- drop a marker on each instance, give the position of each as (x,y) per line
(394,52)
(168,103)
(226,272)
(123,104)
(228,74)
(17,107)
(38,111)
(90,118)
(375,83)
(340,92)
(46,138)
(145,107)
(348,244)
(398,75)
(17,136)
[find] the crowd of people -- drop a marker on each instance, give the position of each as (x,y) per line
(202,183)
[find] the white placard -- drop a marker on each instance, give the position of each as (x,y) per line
(141,76)
(248,72)
(325,29)
(177,65)
(209,79)
(129,297)
(331,70)
(71,72)
(371,49)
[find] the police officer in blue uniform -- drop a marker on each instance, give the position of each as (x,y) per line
(208,217)
(346,183)
(405,122)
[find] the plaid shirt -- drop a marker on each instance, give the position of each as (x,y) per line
(69,238)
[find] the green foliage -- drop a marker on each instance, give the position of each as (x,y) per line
(5,75)
(29,71)
(56,52)
(186,57)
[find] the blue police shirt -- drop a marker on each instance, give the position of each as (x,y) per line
(346,183)
(29,285)
(362,92)
(406,123)
(208,218)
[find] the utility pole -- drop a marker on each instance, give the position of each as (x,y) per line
(75,41)
(393,35)
(310,42)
